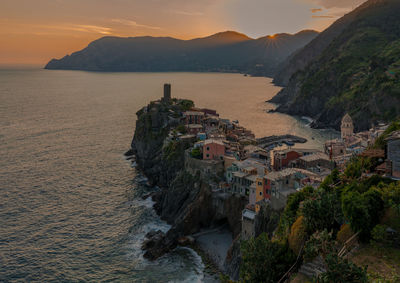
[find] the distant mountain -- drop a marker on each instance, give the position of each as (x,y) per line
(353,66)
(226,51)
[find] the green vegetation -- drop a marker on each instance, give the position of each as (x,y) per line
(342,271)
(185,104)
(196,153)
(264,260)
(323,219)
(358,72)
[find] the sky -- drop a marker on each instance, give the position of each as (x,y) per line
(35,31)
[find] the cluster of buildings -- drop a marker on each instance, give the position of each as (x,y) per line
(268,177)
(228,156)
(351,144)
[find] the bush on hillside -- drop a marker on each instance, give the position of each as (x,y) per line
(363,211)
(264,260)
(290,213)
(322,212)
(344,234)
(297,235)
(340,270)
(320,243)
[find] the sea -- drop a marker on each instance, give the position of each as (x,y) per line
(71,208)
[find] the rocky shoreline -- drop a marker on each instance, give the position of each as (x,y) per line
(185,200)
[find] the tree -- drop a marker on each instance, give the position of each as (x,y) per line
(297,235)
(342,271)
(355,210)
(322,212)
(289,215)
(264,260)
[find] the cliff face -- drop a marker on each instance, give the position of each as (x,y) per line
(185,200)
(351,67)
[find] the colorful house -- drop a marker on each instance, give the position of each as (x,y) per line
(202,136)
(193,117)
(282,158)
(213,149)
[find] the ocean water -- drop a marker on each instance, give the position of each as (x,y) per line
(70,208)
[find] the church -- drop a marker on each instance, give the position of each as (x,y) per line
(347,127)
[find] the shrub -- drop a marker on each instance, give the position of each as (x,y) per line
(379,234)
(290,213)
(363,210)
(297,235)
(196,153)
(181,129)
(356,211)
(322,212)
(264,260)
(320,243)
(185,104)
(341,270)
(344,233)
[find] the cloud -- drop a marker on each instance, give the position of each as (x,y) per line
(91,28)
(323,16)
(316,10)
(186,13)
(134,24)
(350,4)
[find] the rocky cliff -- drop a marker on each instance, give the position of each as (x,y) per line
(353,66)
(185,200)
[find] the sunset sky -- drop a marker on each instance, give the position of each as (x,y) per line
(34,31)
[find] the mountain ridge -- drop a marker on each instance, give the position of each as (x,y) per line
(353,66)
(227,51)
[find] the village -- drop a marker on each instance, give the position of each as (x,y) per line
(233,161)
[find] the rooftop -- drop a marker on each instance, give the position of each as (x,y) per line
(249,214)
(314,157)
(394,136)
(210,141)
(195,126)
(193,113)
(240,174)
(252,178)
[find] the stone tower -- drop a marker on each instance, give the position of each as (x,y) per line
(347,127)
(167,92)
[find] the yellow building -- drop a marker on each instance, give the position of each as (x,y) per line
(259,192)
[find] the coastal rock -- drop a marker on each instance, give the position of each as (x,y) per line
(185,200)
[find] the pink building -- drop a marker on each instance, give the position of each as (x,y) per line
(213,149)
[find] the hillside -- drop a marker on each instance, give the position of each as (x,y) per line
(226,51)
(344,231)
(357,72)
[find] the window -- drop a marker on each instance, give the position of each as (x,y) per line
(261,193)
(208,148)
(207,155)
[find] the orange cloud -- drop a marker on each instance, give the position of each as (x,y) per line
(133,24)
(323,16)
(316,10)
